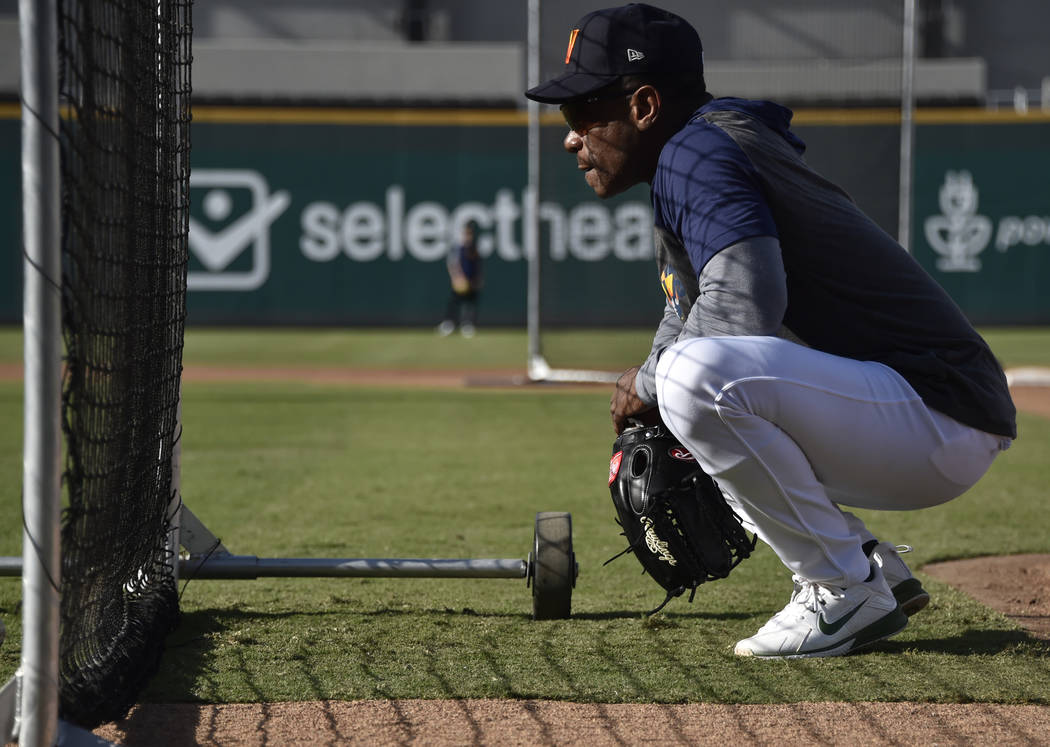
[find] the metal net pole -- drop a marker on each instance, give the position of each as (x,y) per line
(532,191)
(907,125)
(42,327)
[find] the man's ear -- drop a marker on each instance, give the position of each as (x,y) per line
(645,107)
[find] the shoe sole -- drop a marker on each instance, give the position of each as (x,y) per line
(885,627)
(911,596)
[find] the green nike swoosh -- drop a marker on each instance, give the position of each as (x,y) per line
(832,628)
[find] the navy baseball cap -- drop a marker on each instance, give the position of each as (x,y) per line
(633,39)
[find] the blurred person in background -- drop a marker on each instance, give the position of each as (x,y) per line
(465,276)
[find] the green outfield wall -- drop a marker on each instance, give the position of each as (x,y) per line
(10,218)
(982,217)
(346,216)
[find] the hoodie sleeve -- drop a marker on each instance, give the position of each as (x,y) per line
(666,335)
(743,291)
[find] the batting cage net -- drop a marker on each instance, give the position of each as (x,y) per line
(124,97)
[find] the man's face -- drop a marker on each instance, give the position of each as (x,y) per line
(605,141)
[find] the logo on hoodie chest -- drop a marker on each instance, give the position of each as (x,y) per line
(673,290)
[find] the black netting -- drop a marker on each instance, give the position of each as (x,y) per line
(125,93)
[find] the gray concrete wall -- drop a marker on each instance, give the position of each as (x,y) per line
(809,51)
(390,72)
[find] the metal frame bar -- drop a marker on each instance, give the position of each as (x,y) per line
(208,558)
(37,721)
(538,368)
(531,226)
(251,567)
(175,506)
(29,701)
(907,158)
(224,565)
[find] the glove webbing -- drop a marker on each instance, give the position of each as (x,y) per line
(687,489)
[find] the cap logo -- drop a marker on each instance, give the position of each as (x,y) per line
(679,453)
(572,43)
(633,55)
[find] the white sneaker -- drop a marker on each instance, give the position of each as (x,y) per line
(826,621)
(446,328)
(905,587)
(467,330)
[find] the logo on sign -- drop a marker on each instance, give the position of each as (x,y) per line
(959,234)
(230,232)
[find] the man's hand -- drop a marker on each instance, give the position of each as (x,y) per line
(625,402)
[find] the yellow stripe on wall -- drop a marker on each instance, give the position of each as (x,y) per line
(345,116)
(889,115)
(514,117)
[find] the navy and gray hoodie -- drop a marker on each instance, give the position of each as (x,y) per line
(751,241)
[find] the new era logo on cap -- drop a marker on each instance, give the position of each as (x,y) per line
(634,55)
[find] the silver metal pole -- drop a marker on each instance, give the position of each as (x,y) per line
(42,328)
(251,567)
(532,190)
(175,506)
(907,158)
(223,565)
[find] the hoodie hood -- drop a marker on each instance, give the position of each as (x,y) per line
(772,115)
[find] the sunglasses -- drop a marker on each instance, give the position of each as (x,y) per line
(582,115)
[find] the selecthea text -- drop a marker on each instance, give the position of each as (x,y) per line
(425,231)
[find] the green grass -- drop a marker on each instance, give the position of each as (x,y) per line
(296,470)
(409,349)
(1020,346)
(612,349)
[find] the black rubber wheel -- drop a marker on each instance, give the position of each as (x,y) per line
(552,566)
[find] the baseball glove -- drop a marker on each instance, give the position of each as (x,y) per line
(675,519)
(460,285)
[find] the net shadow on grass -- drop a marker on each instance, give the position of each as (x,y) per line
(662,618)
(976,641)
(184,656)
(1002,680)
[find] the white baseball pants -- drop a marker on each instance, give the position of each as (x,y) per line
(791,433)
